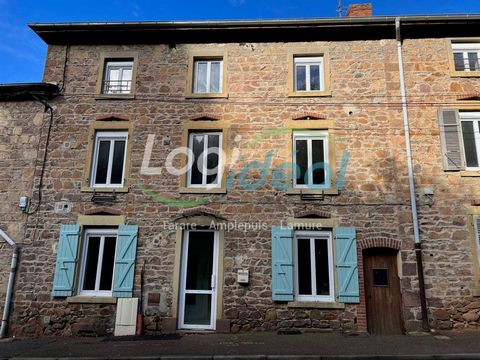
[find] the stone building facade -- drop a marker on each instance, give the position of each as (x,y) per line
(261,111)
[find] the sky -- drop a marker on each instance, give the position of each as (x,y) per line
(22,53)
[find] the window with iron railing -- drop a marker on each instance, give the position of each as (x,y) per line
(117,78)
(466,57)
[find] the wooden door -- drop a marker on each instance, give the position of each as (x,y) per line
(382,292)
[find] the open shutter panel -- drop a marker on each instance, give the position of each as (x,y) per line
(477,228)
(66,264)
(125,261)
(282,264)
(451,139)
(347,265)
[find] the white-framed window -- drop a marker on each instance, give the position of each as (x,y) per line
(310,160)
(470,122)
(117,78)
(97,262)
(205,171)
(108,165)
(309,73)
(207,76)
(466,56)
(313,266)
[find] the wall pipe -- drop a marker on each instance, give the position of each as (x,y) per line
(411,182)
(11,280)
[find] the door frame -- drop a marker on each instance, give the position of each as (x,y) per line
(213,281)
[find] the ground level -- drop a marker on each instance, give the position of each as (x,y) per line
(262,344)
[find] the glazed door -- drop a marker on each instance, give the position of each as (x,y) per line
(382,291)
(198,280)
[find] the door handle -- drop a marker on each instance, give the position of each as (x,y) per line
(213,281)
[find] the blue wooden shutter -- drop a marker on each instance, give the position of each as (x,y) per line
(64,278)
(347,265)
(125,261)
(282,264)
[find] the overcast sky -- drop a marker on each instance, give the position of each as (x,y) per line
(22,53)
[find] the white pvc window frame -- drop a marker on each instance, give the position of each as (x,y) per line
(309,136)
(466,48)
(111,136)
(213,282)
(204,154)
(308,62)
(473,116)
(122,66)
(208,62)
(102,233)
(314,235)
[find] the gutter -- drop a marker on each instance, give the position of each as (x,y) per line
(11,280)
(411,180)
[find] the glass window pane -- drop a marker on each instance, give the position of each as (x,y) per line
(108,263)
(459,63)
(215,77)
(300,78)
(473,61)
(321,262)
(197,148)
(91,263)
(127,74)
(318,159)
(102,162)
(301,160)
(118,161)
(198,309)
(200,260)
(304,267)
(201,77)
(212,159)
(314,77)
(469,143)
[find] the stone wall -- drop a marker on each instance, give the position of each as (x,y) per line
(367,123)
(20,127)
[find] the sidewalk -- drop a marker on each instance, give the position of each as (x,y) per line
(449,345)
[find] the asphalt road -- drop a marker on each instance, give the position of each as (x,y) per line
(262,345)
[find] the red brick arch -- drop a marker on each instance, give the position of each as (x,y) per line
(314,213)
(379,241)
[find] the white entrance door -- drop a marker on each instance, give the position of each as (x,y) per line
(198,293)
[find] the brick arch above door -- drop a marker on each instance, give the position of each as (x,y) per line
(379,242)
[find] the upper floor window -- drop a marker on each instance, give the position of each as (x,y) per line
(117,78)
(205,169)
(470,122)
(310,159)
(208,76)
(466,56)
(108,165)
(308,73)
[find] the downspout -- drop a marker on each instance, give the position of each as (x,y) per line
(411,182)
(11,279)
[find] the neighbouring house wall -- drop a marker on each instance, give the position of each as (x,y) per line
(366,122)
(20,128)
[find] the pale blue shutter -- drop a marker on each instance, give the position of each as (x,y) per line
(125,261)
(67,249)
(282,264)
(347,265)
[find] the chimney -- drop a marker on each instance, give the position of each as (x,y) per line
(359,10)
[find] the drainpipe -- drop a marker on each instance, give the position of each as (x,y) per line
(411,182)
(11,279)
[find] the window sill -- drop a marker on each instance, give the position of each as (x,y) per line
(310,93)
(465,73)
(206,96)
(104,190)
(91,300)
(114,97)
(329,191)
(315,305)
(470,173)
(185,190)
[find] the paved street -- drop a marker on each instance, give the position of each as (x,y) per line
(264,345)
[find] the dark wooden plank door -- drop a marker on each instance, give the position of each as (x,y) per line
(382,292)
